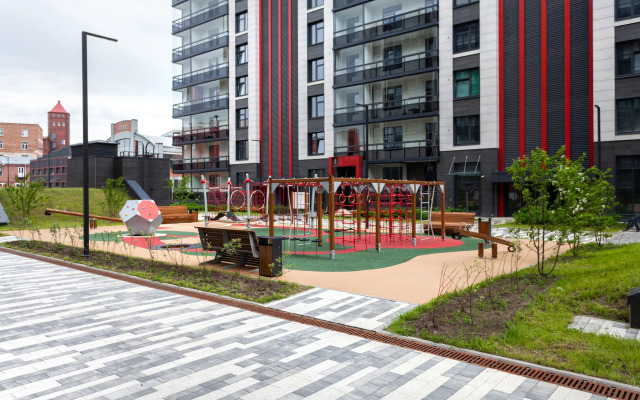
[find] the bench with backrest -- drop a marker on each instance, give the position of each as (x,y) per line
(451,220)
(215,238)
(177,215)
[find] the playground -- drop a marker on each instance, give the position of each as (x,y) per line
(370,237)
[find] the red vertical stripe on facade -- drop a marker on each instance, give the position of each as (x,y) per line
(501,105)
(290,96)
(591,163)
(543,74)
(521,77)
(567,77)
(260,85)
(269,91)
(280,152)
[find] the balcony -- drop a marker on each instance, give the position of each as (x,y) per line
(200,17)
(200,106)
(390,68)
(391,110)
(201,46)
(207,164)
(414,150)
(395,25)
(201,76)
(176,2)
(340,4)
(211,134)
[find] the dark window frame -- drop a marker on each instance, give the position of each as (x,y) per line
(316,142)
(321,172)
(242,82)
(462,3)
(392,137)
(242,118)
(314,3)
(313,29)
(242,22)
(467,130)
(468,31)
(633,12)
(241,150)
(315,111)
(633,61)
(634,116)
(316,69)
(242,56)
(466,81)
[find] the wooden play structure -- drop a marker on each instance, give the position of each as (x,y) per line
(373,212)
(483,234)
(48,211)
(452,221)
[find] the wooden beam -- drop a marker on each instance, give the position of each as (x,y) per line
(332,227)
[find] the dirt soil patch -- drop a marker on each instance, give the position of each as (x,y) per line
(480,312)
(231,284)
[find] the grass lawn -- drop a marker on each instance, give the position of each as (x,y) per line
(61,198)
(595,284)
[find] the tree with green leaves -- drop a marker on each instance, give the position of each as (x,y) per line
(181,191)
(115,196)
(25,197)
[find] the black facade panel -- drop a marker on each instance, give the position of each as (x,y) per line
(315,51)
(580,105)
(628,32)
(466,14)
(315,90)
(532,78)
(242,169)
(242,103)
(316,125)
(306,165)
(242,39)
(511,84)
(286,104)
(555,75)
(466,107)
(242,70)
(264,91)
(628,87)
(242,5)
(472,61)
(241,134)
(294,81)
(314,16)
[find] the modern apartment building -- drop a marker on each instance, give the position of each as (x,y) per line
(451,90)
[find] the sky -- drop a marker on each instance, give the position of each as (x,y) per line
(41,63)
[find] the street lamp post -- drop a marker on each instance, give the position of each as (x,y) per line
(599,141)
(85,139)
(365,159)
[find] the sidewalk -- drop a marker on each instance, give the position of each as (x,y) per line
(73,334)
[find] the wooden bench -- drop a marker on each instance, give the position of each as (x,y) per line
(215,238)
(177,215)
(451,220)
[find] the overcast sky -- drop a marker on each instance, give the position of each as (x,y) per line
(41,63)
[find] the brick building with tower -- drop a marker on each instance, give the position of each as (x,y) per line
(59,127)
(19,144)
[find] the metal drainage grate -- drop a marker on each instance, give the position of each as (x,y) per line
(512,368)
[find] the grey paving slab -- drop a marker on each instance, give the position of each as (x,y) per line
(600,326)
(107,339)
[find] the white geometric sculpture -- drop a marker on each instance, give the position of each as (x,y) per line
(142,217)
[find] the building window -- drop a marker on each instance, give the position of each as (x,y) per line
(394,173)
(467,83)
(459,3)
(1,132)
(393,97)
(242,118)
(320,172)
(628,58)
(392,17)
(25,133)
(627,9)
(53,136)
(628,184)
(466,37)
(1,145)
(314,3)
(241,54)
(393,137)
(241,86)
(316,143)
(316,70)
(316,106)
(63,124)
(628,116)
(241,22)
(467,130)
(316,33)
(25,145)
(62,142)
(241,150)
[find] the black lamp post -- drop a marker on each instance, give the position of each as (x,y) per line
(365,158)
(85,139)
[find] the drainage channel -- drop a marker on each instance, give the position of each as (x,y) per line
(505,366)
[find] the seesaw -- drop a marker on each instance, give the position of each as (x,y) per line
(466,231)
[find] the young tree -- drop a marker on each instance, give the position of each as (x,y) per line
(115,195)
(25,197)
(182,194)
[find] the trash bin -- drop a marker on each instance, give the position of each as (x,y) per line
(633,300)
(270,249)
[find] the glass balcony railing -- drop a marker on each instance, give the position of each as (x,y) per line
(200,106)
(201,46)
(392,109)
(212,12)
(410,64)
(385,27)
(213,133)
(200,76)
(176,2)
(204,164)
(411,150)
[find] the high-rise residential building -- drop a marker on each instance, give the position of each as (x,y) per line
(59,128)
(451,90)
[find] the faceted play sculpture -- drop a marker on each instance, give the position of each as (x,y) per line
(142,217)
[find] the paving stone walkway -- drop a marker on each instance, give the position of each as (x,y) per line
(71,334)
(604,327)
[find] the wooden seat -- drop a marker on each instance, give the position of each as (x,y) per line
(451,220)
(177,215)
(215,238)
